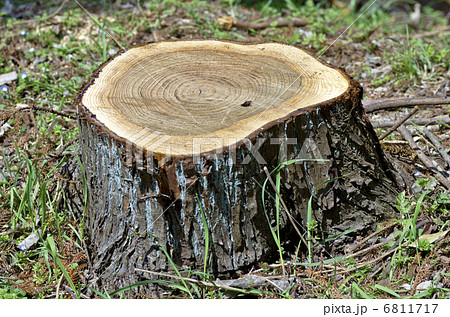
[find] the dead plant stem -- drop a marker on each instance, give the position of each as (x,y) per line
(372,105)
(425,160)
(438,145)
(398,123)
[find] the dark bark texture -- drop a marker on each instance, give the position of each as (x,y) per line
(135,211)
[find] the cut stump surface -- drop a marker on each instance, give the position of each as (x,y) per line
(175,137)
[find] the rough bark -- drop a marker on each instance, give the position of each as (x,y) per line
(140,203)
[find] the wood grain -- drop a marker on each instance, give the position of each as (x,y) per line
(187,90)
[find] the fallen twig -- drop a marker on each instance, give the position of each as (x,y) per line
(10,231)
(64,147)
(251,281)
(9,114)
(399,123)
(58,286)
(228,22)
(360,265)
(7,78)
(438,145)
(294,22)
(70,291)
(191,280)
(337,266)
(378,104)
(425,160)
(424,121)
(368,249)
(442,31)
(370,236)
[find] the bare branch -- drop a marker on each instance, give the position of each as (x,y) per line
(438,145)
(425,160)
(372,105)
(399,123)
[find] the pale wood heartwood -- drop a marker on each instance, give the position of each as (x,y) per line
(185,97)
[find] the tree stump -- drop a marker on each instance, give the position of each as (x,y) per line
(175,137)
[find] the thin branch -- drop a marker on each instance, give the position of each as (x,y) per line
(368,249)
(425,160)
(58,286)
(228,22)
(8,115)
(5,233)
(64,147)
(295,22)
(442,31)
(191,280)
(425,121)
(59,113)
(438,145)
(353,248)
(360,265)
(399,123)
(372,105)
(348,256)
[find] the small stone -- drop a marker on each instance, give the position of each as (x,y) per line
(372,61)
(29,241)
(425,285)
(8,78)
(380,90)
(4,127)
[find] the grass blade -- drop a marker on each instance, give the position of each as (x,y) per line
(130,287)
(339,235)
(276,171)
(206,229)
(386,290)
(186,289)
(51,247)
(360,291)
(328,261)
(104,296)
(413,233)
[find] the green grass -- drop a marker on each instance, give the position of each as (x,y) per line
(9,292)
(37,207)
(418,60)
(410,242)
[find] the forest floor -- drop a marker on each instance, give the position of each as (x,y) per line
(48,51)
